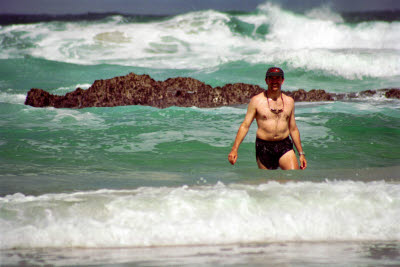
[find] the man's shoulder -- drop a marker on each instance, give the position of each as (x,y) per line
(256,100)
(287,98)
(258,96)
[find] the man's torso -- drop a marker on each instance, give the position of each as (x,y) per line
(273,126)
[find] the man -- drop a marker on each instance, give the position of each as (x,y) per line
(274,113)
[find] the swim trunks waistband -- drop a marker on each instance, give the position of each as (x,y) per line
(271,142)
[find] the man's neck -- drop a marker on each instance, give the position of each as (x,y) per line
(273,94)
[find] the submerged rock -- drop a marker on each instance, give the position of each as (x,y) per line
(134,89)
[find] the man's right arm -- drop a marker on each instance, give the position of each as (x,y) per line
(243,130)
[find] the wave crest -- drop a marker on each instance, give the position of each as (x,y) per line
(316,41)
(216,214)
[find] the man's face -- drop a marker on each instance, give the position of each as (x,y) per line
(274,82)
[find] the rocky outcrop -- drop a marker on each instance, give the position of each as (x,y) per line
(312,96)
(393,93)
(135,89)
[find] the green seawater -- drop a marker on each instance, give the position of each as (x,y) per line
(149,146)
(57,150)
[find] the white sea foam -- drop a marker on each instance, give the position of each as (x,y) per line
(63,117)
(318,40)
(12,98)
(368,49)
(219,214)
(295,31)
(324,12)
(147,141)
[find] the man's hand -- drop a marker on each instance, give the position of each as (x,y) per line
(303,162)
(232,157)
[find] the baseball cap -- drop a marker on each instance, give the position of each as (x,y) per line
(274,71)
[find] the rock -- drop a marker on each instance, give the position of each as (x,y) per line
(367,93)
(134,89)
(388,93)
(393,93)
(39,98)
(311,96)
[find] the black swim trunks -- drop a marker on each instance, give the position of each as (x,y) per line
(269,152)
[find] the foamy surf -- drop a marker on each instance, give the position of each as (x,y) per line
(316,41)
(12,98)
(218,214)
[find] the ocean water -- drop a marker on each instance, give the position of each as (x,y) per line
(142,186)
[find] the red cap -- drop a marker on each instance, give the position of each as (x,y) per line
(274,71)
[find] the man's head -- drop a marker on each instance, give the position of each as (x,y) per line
(274,78)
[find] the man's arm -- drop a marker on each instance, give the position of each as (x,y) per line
(295,134)
(243,130)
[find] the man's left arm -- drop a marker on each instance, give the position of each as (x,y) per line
(295,134)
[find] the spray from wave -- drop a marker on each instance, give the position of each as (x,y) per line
(318,40)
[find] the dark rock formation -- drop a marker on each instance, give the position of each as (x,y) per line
(313,95)
(393,93)
(135,89)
